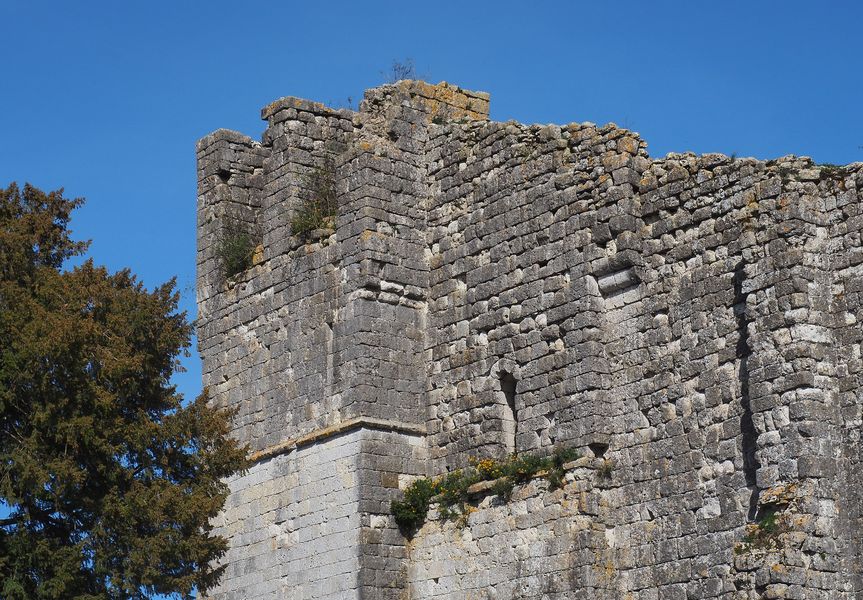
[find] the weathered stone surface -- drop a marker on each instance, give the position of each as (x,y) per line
(691,320)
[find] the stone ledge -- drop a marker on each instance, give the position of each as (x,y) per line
(303,105)
(307,439)
(228,135)
(585,462)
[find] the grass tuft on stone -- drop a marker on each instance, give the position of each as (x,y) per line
(319,203)
(235,248)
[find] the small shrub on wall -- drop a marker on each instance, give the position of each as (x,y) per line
(450,491)
(236,245)
(319,206)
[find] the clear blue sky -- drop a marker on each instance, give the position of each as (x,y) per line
(107,99)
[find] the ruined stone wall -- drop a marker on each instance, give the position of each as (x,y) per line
(689,323)
(683,318)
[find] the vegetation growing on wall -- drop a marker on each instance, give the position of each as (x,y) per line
(235,249)
(829,170)
(765,533)
(450,491)
(400,70)
(606,469)
(775,518)
(320,202)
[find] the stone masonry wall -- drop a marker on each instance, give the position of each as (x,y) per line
(290,519)
(690,323)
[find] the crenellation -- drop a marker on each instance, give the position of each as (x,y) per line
(690,322)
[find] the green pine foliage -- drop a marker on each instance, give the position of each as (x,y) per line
(109,479)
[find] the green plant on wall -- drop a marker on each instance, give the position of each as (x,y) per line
(411,511)
(605,469)
(450,491)
(235,247)
(829,170)
(319,203)
(765,533)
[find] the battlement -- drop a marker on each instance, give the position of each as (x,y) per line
(487,288)
(442,102)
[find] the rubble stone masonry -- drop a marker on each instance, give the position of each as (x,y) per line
(690,323)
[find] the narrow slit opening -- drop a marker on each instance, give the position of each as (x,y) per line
(508,385)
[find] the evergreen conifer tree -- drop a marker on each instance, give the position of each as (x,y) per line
(108,480)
